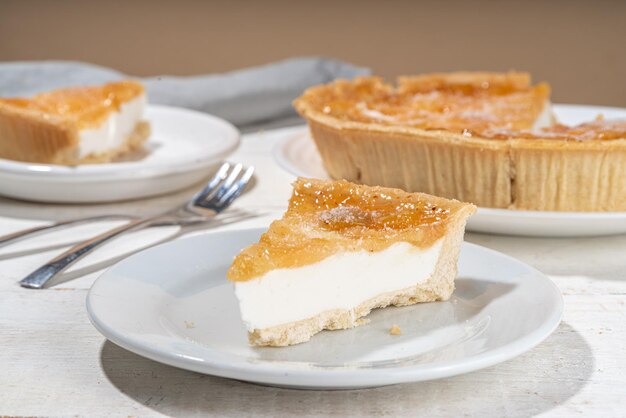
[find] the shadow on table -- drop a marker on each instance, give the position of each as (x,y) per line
(534,382)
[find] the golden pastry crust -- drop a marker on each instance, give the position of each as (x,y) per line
(45,128)
(435,162)
(493,161)
(326,217)
(568,176)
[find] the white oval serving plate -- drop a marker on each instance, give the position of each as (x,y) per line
(173,304)
(299,156)
(181,151)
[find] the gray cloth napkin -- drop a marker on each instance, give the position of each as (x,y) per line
(259,96)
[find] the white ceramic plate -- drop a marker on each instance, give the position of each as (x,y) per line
(299,156)
(173,304)
(182,149)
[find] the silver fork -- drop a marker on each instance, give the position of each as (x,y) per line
(219,193)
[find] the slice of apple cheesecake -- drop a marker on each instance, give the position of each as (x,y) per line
(340,251)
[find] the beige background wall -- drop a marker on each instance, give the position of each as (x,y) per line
(578,46)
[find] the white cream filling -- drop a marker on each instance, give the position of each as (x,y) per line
(342,281)
(114,131)
(545,118)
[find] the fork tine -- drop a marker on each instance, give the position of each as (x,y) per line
(214,182)
(236,189)
(227,191)
(226,185)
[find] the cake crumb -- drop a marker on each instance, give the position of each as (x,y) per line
(189,324)
(395,330)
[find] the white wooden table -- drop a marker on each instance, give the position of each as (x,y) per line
(53,362)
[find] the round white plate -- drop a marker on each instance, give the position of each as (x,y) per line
(298,155)
(182,149)
(173,304)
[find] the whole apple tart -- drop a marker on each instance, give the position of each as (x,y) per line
(486,138)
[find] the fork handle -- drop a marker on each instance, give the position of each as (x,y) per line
(30,232)
(40,277)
